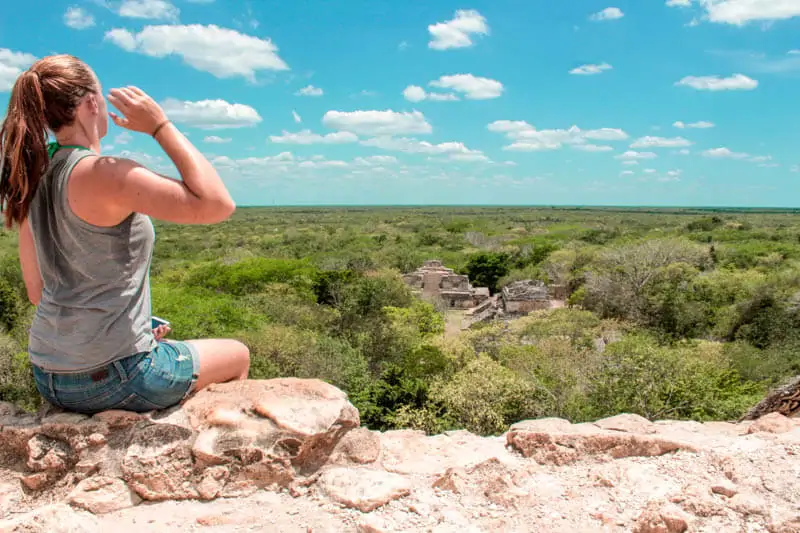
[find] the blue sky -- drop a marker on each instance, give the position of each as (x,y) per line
(613,102)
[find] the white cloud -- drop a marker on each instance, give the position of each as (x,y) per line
(606,134)
(307,137)
(509,126)
(631,155)
(660,142)
(254,165)
(458,32)
(793,52)
(725,153)
(715,83)
(310,91)
(414,146)
(123,138)
(11,66)
(376,160)
(739,12)
(415,93)
(296,117)
(683,152)
(223,52)
(769,165)
(609,13)
(679,3)
(78,18)
(626,173)
(211,114)
(630,162)
(213,139)
(586,70)
(697,125)
(473,87)
(323,164)
(794,168)
(593,148)
(378,122)
(148,9)
(649,171)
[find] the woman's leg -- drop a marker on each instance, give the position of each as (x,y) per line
(221,360)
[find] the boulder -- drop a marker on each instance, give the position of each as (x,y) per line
(662,518)
(771,423)
(101,495)
(59,518)
(364,489)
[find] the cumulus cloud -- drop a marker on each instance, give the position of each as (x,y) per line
(660,142)
(213,139)
(375,123)
(697,125)
(376,160)
(587,70)
(310,90)
(296,117)
(78,18)
(529,139)
(11,66)
(740,12)
(454,151)
(307,137)
(725,153)
(609,13)
(148,9)
(223,52)
(415,93)
(509,126)
(593,148)
(716,83)
(679,3)
(633,155)
(473,87)
(211,114)
(458,32)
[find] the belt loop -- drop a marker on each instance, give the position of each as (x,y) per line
(123,376)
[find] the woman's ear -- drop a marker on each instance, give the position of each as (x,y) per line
(93,104)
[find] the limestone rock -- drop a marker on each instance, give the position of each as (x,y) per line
(771,423)
(359,446)
(725,488)
(453,480)
(560,442)
(59,518)
(100,495)
(748,504)
(364,489)
(662,518)
(629,423)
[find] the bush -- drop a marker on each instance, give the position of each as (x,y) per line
(16,377)
(486,268)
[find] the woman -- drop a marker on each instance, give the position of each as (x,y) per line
(86,243)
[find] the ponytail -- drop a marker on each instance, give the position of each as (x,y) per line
(44,98)
(23,145)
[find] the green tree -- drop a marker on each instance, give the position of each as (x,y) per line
(486,268)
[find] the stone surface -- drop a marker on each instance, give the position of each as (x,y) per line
(559,442)
(628,423)
(359,446)
(364,489)
(101,495)
(58,518)
(771,423)
(725,488)
(662,518)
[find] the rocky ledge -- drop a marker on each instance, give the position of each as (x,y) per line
(290,455)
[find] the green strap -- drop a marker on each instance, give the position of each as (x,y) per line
(54,147)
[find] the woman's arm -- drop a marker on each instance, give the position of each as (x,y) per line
(29,263)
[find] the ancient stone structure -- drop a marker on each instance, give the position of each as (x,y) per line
(434,281)
(290,455)
(523,297)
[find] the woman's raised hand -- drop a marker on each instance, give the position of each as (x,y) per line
(139,111)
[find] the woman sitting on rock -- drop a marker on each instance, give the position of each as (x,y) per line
(86,242)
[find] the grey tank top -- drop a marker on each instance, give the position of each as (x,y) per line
(95,306)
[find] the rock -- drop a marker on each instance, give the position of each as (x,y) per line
(49,455)
(661,518)
(566,444)
(364,489)
(784,525)
(59,518)
(213,482)
(8,409)
(771,423)
(101,495)
(373,524)
(115,419)
(629,423)
(699,501)
(748,504)
(36,482)
(453,480)
(725,488)
(358,446)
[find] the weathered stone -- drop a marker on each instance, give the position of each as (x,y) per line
(358,446)
(49,455)
(116,419)
(629,423)
(8,409)
(373,524)
(699,501)
(453,480)
(784,525)
(101,495)
(364,489)
(748,504)
(37,481)
(725,488)
(661,518)
(59,518)
(406,451)
(212,483)
(562,444)
(771,423)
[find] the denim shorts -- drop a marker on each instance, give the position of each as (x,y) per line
(142,382)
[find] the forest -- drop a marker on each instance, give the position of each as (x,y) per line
(672,313)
